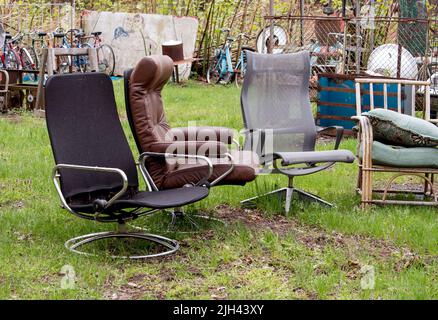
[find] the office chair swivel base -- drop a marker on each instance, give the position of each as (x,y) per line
(286,194)
(171,246)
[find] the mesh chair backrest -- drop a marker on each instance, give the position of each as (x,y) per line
(84,129)
(275,95)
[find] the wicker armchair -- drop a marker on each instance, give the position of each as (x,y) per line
(367,169)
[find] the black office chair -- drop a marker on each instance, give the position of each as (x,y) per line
(279,124)
(95,173)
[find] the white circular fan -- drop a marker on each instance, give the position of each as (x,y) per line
(280,39)
(383,60)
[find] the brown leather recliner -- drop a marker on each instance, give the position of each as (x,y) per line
(152,133)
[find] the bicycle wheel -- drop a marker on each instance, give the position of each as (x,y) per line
(34,56)
(106,59)
(11,60)
(213,72)
(239,74)
(26,59)
(28,63)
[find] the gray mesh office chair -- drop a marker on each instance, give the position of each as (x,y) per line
(278,121)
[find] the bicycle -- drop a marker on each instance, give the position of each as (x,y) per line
(9,58)
(240,69)
(66,63)
(60,40)
(14,57)
(81,62)
(106,59)
(38,43)
(221,67)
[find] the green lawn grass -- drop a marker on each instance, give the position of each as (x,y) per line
(314,253)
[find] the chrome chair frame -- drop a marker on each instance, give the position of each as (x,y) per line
(73,244)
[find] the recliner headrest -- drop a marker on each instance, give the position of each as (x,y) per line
(152,72)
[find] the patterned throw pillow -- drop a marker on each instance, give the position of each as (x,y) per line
(399,129)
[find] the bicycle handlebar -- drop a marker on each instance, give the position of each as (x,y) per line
(243,35)
(17,37)
(240,35)
(35,34)
(74,30)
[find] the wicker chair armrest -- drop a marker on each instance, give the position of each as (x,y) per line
(365,139)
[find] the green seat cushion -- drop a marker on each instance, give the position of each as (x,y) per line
(399,129)
(395,156)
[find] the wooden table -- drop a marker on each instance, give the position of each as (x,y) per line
(176,64)
(17,87)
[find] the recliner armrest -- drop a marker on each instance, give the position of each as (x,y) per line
(220,134)
(56,175)
(212,149)
(365,140)
(291,158)
(150,182)
(339,133)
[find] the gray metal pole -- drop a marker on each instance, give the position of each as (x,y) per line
(73,14)
(271,28)
(372,30)
(358,38)
(302,22)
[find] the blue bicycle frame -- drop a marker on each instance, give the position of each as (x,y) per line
(240,62)
(224,64)
(221,68)
(78,61)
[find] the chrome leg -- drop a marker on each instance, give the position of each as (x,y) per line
(75,243)
(252,202)
(287,195)
(307,196)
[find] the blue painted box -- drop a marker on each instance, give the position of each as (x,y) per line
(337,100)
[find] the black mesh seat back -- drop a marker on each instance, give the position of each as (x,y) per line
(275,95)
(84,129)
(126,79)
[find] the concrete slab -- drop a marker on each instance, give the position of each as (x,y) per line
(133,36)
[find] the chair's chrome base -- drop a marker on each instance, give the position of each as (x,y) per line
(171,245)
(178,215)
(286,194)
